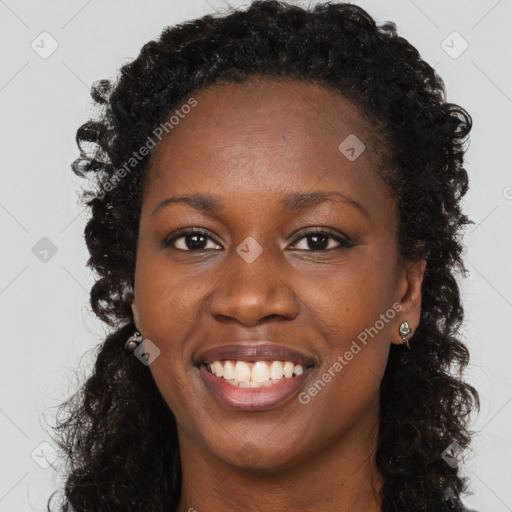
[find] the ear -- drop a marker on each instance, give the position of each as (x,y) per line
(409,297)
(136,315)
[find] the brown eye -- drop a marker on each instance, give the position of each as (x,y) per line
(322,240)
(190,240)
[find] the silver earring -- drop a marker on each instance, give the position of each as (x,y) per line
(133,341)
(405,332)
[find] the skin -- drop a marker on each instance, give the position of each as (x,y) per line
(251,144)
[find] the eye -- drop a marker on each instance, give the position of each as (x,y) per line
(322,239)
(318,239)
(189,240)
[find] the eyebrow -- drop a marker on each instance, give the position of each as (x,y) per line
(295,202)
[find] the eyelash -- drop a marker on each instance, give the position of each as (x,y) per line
(345,243)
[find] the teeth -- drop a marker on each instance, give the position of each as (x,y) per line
(276,370)
(251,384)
(217,368)
(260,372)
(288,369)
(254,375)
(242,371)
(229,370)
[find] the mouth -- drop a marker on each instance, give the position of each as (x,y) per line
(253,376)
(257,374)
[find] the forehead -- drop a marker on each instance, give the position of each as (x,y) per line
(265,135)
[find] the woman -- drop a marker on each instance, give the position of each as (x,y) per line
(276,228)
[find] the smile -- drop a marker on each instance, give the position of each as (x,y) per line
(256,374)
(253,386)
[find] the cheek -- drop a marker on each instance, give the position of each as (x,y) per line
(356,342)
(353,311)
(168,296)
(170,304)
(345,303)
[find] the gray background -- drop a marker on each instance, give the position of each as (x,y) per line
(47,330)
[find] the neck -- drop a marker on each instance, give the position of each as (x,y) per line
(341,477)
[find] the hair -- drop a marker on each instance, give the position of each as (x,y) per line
(117,434)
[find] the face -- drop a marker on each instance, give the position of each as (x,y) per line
(309,274)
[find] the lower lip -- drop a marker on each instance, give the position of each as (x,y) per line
(252,399)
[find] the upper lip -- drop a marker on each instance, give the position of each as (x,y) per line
(254,351)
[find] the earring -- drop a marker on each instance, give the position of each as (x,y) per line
(405,331)
(133,341)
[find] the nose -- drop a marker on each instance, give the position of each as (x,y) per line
(251,292)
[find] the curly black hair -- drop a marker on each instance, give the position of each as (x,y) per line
(117,433)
